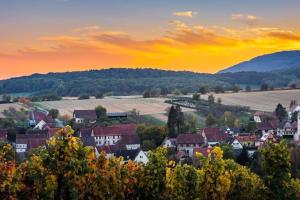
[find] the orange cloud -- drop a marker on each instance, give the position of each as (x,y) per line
(245,18)
(184,14)
(183,47)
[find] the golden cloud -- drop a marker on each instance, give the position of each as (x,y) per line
(185,14)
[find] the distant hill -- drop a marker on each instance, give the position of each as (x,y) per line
(122,81)
(269,62)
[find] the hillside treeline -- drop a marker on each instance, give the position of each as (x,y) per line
(67,170)
(121,81)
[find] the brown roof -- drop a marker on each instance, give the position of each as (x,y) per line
(265,126)
(215,135)
(203,150)
(39,116)
(52,131)
(189,138)
(85,114)
(246,138)
(3,134)
(121,129)
(108,149)
(32,140)
(258,113)
(85,132)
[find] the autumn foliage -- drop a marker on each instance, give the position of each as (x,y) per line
(64,169)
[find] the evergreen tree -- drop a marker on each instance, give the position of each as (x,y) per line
(210,120)
(243,158)
(280,112)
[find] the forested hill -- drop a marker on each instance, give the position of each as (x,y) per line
(282,60)
(122,81)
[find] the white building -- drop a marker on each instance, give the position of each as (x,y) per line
(236,144)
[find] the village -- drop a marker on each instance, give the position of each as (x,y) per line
(125,139)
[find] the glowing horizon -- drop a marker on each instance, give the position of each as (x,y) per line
(75,35)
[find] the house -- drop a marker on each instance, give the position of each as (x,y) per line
(266,127)
(117,115)
(110,135)
(247,140)
(129,142)
(236,144)
(257,116)
(28,141)
(136,155)
(84,116)
(3,135)
(214,136)
(203,150)
(187,142)
(38,115)
(169,143)
(109,150)
(294,108)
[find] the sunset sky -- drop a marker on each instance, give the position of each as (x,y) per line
(40,36)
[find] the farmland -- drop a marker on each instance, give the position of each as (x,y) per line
(263,101)
(3,107)
(150,106)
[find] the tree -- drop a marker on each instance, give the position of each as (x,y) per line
(293,86)
(280,112)
(151,136)
(211,99)
(100,112)
(172,120)
(264,87)
(146,94)
(219,101)
(203,90)
(294,117)
(196,96)
(6,97)
(219,89)
(243,158)
(99,96)
(276,165)
(210,120)
(175,122)
(293,103)
(236,88)
(54,113)
(227,151)
(248,88)
(83,96)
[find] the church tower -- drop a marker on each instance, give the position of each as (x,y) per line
(297,134)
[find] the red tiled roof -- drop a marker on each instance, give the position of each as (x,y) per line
(39,116)
(85,114)
(189,138)
(215,135)
(52,131)
(85,132)
(294,125)
(246,138)
(203,150)
(3,134)
(265,126)
(32,140)
(122,129)
(258,113)
(108,149)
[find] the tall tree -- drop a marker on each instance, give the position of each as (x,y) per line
(276,165)
(243,158)
(54,113)
(100,112)
(280,112)
(210,120)
(211,99)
